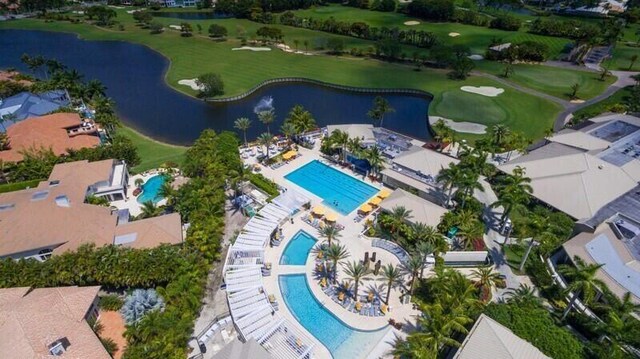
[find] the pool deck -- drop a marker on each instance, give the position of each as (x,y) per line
(356,245)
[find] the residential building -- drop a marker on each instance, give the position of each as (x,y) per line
(58,132)
(12,76)
(422,211)
(489,339)
(53,217)
(580,171)
(416,170)
(616,245)
(25,104)
(49,322)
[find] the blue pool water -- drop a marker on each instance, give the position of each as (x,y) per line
(338,190)
(150,190)
(341,340)
(298,249)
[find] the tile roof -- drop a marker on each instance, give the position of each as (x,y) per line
(424,160)
(422,211)
(48,131)
(33,105)
(31,321)
(489,339)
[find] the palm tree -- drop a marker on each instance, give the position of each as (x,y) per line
(94,88)
(301,119)
(498,134)
(438,328)
(288,130)
(424,250)
(380,108)
(357,272)
(166,191)
(354,146)
(392,277)
(522,295)
(574,90)
(624,306)
(267,117)
(469,185)
(330,232)
(376,160)
(335,253)
(243,124)
(450,178)
(486,278)
(149,210)
(582,281)
(513,192)
(413,348)
(398,217)
(265,140)
(413,267)
(340,139)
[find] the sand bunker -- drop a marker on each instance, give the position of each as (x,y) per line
(287,48)
(412,23)
(136,10)
(460,126)
(454,34)
(176,27)
(476,57)
(191,83)
(249,48)
(577,101)
(489,91)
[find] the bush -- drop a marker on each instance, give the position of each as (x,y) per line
(109,345)
(264,184)
(535,325)
(506,22)
(110,302)
(139,303)
(211,84)
(432,9)
(217,31)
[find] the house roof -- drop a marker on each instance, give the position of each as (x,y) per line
(489,339)
(10,75)
(48,131)
(621,270)
(426,161)
(33,105)
(573,180)
(30,321)
(38,218)
(422,211)
(579,139)
(362,131)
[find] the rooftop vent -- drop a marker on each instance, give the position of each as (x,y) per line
(54,183)
(7,206)
(62,201)
(59,347)
(39,196)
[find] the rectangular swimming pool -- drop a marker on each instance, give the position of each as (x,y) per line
(338,190)
(297,250)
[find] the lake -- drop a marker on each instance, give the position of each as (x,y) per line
(134,76)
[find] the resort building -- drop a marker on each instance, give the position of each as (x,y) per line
(53,217)
(416,171)
(362,131)
(616,245)
(26,104)
(422,211)
(49,322)
(59,132)
(580,171)
(489,339)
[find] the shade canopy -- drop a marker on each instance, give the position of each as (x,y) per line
(365,208)
(289,154)
(384,193)
(331,217)
(375,201)
(319,210)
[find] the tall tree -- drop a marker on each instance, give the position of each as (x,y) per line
(450,178)
(357,272)
(514,191)
(413,267)
(265,140)
(398,217)
(301,119)
(243,125)
(582,282)
(392,277)
(380,108)
(376,160)
(335,253)
(267,117)
(330,232)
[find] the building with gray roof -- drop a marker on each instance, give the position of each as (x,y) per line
(25,104)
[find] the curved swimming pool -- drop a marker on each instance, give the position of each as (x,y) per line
(297,250)
(151,189)
(342,340)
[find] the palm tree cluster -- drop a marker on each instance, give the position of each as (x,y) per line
(447,311)
(514,192)
(340,142)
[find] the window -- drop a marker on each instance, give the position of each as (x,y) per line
(62,201)
(59,347)
(7,206)
(45,254)
(54,183)
(39,196)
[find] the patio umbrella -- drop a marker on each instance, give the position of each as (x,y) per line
(365,208)
(289,154)
(384,193)
(319,210)
(331,217)
(375,201)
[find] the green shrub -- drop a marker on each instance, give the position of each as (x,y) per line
(110,302)
(264,184)
(16,186)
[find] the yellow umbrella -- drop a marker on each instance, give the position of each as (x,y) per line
(375,201)
(384,193)
(331,217)
(289,154)
(319,210)
(365,208)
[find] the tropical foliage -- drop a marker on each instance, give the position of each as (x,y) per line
(139,303)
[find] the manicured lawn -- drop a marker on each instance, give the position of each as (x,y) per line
(551,80)
(622,58)
(476,37)
(152,153)
(603,106)
(241,70)
(513,254)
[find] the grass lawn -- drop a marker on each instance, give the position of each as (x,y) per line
(622,58)
(603,106)
(551,80)
(152,153)
(242,70)
(513,254)
(477,38)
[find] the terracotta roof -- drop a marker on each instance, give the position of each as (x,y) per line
(48,131)
(151,232)
(9,75)
(30,322)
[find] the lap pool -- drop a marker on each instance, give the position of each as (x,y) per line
(341,340)
(297,250)
(338,190)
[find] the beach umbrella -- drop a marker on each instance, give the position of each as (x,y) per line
(384,193)
(375,201)
(365,208)
(331,217)
(319,210)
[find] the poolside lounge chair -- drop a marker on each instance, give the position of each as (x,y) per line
(363,311)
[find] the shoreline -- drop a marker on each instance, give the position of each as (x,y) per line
(151,139)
